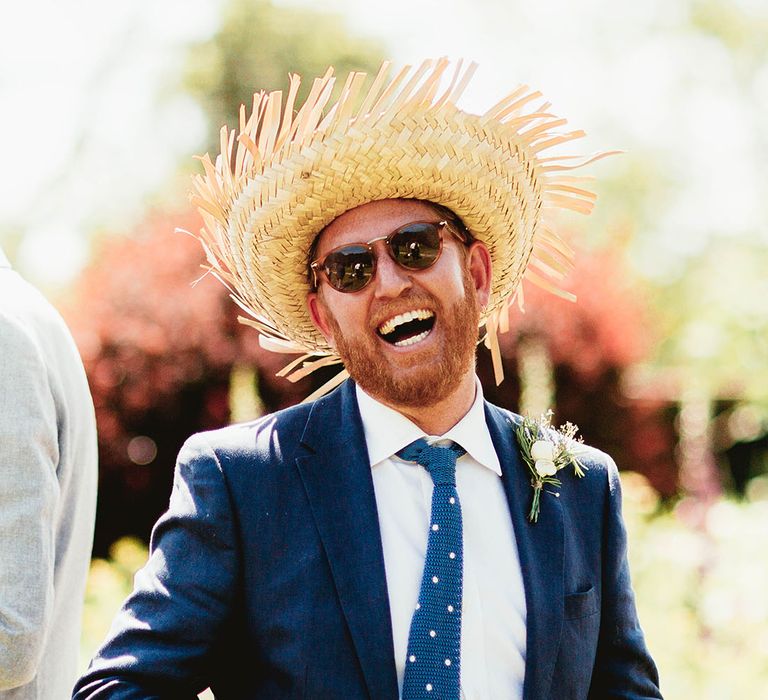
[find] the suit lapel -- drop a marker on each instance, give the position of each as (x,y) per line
(337,477)
(540,548)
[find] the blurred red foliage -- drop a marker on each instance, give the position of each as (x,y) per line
(157,353)
(158,350)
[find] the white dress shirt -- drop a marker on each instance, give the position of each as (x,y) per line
(493,632)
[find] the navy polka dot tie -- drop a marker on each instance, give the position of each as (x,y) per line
(433,663)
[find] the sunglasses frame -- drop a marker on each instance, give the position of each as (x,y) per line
(317,265)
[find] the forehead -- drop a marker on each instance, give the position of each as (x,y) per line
(372,220)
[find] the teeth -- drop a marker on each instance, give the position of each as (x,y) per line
(412,340)
(390,325)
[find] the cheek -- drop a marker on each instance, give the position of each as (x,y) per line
(451,285)
(452,266)
(343,312)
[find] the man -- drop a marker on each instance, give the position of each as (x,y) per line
(329,550)
(48,496)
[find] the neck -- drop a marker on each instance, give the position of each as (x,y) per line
(440,417)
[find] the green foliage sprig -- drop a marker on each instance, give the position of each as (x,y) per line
(546,451)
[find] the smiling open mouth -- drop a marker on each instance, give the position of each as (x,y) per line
(408,328)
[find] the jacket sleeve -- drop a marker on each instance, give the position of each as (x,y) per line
(161,641)
(623,665)
(29,496)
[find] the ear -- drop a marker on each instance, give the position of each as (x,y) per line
(480,270)
(318,312)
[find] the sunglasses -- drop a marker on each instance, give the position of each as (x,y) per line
(416,246)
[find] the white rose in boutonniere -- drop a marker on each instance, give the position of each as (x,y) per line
(546,451)
(543,454)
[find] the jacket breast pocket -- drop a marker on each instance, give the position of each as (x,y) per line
(581,604)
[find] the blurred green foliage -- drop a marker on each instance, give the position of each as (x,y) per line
(742,31)
(715,320)
(109,582)
(258,45)
(700,593)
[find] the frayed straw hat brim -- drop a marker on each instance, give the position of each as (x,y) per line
(286,176)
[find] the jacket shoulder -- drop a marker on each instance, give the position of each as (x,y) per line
(596,461)
(281,432)
(274,432)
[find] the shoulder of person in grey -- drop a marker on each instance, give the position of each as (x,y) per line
(48,468)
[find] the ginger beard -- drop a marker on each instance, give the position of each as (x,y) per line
(437,377)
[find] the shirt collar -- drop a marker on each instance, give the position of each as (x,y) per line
(387,431)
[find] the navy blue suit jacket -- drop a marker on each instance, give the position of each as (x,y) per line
(266,577)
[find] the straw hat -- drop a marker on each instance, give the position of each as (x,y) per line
(287,174)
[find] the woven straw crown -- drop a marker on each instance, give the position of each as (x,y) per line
(286,175)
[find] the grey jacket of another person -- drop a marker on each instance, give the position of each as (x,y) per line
(48,475)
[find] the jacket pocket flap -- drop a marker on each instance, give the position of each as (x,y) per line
(581,604)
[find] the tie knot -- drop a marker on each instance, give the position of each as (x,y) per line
(438,460)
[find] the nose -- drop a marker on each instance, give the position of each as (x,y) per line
(391,279)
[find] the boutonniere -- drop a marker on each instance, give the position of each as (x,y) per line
(546,451)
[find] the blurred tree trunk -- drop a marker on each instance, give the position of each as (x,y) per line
(536,374)
(244,401)
(699,476)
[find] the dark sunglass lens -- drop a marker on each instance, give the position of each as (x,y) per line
(416,246)
(349,268)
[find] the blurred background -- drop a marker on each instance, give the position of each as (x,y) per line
(663,362)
